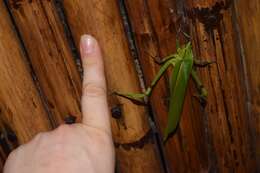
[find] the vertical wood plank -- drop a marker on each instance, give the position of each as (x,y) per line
(248,16)
(50,56)
(228,119)
(101,18)
(20,105)
(155,24)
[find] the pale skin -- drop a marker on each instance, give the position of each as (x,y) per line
(85,147)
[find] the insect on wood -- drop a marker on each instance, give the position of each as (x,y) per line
(183,63)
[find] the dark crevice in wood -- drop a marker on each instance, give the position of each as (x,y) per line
(155,136)
(229,124)
(4,144)
(212,150)
(63,19)
(210,16)
(8,138)
(131,42)
(221,39)
(52,121)
(128,30)
(223,94)
(57,45)
(140,143)
(244,81)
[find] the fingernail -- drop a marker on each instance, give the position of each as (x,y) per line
(87,45)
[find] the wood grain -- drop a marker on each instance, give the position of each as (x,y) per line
(222,138)
(20,104)
(248,15)
(101,18)
(214,35)
(50,56)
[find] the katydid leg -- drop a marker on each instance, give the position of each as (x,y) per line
(202,63)
(201,89)
(164,60)
(148,91)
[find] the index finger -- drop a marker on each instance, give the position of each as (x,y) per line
(94,98)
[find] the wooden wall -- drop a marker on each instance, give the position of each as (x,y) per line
(41,83)
(248,14)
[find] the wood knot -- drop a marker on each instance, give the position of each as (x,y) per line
(116,111)
(70,119)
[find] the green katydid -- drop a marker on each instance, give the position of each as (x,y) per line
(183,63)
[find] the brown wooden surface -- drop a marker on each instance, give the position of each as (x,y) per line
(222,138)
(228,119)
(101,18)
(21,107)
(248,15)
(50,56)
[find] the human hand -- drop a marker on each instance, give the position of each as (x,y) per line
(77,148)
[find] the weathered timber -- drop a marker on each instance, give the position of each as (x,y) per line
(50,56)
(21,107)
(248,16)
(214,37)
(155,25)
(224,138)
(101,18)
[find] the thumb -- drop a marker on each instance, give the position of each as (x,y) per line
(94,97)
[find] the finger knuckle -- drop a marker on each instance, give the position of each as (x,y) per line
(61,134)
(89,62)
(63,129)
(93,90)
(99,134)
(39,136)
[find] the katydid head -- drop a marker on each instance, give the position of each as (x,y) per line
(185,52)
(188,52)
